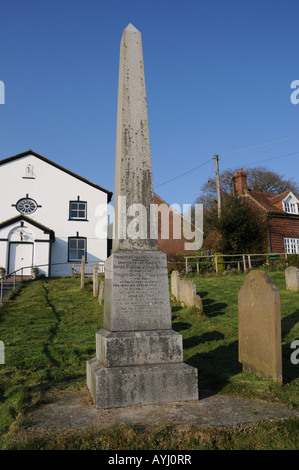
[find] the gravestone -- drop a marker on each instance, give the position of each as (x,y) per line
(292,278)
(139,358)
(185,291)
(175,284)
(260,326)
(95,279)
(82,277)
(101,292)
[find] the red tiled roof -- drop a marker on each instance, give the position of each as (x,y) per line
(279,197)
(270,202)
(266,200)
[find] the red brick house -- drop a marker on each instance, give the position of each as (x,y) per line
(281,212)
(170,245)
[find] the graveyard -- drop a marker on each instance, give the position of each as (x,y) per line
(46,358)
(148,359)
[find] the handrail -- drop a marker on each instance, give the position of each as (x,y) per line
(14,275)
(29,267)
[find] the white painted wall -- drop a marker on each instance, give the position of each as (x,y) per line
(52,189)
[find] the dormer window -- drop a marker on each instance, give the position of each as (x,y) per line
(290,204)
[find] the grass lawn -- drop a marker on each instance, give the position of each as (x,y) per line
(48,328)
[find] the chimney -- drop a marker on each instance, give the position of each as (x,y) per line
(240,182)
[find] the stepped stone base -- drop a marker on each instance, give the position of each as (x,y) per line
(141,385)
(131,348)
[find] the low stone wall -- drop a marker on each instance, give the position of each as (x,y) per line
(185,292)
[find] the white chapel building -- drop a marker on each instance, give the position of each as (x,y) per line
(49,216)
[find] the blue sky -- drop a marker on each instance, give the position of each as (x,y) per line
(218,76)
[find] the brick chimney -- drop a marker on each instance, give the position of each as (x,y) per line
(240,182)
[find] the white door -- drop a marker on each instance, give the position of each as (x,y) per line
(20,256)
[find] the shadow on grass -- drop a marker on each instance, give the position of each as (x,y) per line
(205,337)
(217,366)
(210,307)
(290,371)
(180,325)
(289,322)
(53,332)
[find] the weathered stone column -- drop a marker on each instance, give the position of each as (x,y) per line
(139,358)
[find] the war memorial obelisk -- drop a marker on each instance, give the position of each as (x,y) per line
(139,358)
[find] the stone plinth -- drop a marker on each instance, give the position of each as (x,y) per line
(132,348)
(139,358)
(260,326)
(292,278)
(141,385)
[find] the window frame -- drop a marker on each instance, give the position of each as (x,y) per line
(78,210)
(290,244)
(71,260)
(289,202)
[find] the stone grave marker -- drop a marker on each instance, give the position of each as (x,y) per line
(185,291)
(260,326)
(292,278)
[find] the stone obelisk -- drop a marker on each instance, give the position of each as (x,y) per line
(139,358)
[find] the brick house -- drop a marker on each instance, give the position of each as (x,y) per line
(280,211)
(170,245)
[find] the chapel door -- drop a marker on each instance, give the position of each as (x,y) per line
(20,256)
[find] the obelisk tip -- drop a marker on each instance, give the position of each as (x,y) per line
(131,28)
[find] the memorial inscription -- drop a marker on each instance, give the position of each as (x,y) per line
(136,292)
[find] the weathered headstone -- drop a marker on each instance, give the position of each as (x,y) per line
(82,277)
(139,358)
(95,278)
(101,292)
(185,291)
(175,284)
(292,278)
(260,326)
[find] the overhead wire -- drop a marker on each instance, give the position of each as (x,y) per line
(255,147)
(183,174)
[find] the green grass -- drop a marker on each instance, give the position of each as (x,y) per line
(211,341)
(48,327)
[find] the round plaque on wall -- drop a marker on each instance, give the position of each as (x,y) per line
(26,205)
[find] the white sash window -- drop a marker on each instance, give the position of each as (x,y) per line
(291,245)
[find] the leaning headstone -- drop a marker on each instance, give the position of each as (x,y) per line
(292,278)
(139,358)
(101,292)
(260,326)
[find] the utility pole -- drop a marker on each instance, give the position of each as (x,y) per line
(218,184)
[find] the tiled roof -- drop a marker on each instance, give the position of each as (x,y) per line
(269,202)
(265,200)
